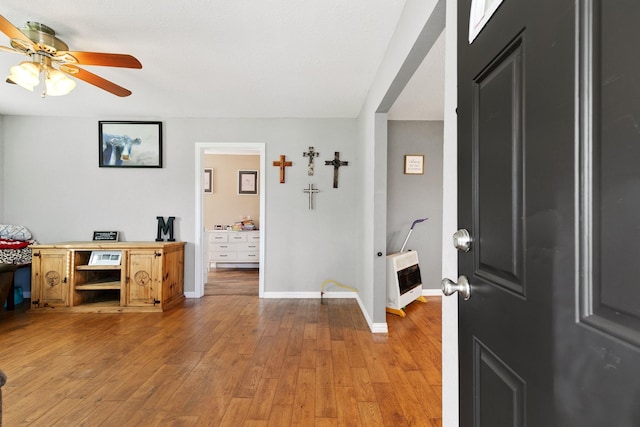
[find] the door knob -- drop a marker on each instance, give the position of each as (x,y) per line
(449,287)
(462,240)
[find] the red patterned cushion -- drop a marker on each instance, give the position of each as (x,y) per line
(12,244)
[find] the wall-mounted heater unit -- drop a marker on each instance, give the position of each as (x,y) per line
(404,284)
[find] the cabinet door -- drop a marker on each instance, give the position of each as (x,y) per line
(173,274)
(144,282)
(50,278)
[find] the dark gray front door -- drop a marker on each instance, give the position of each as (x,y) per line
(549,189)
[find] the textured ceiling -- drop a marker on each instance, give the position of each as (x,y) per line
(213,58)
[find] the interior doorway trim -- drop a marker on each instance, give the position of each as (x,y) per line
(203,148)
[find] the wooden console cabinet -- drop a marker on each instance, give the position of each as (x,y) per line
(149,277)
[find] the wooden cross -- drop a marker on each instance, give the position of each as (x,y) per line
(310,154)
(336,163)
(311,191)
(283,164)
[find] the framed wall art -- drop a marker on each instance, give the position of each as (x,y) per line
(129,144)
(207,184)
(105,258)
(247,182)
(414,164)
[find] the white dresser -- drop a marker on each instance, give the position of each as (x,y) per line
(233,247)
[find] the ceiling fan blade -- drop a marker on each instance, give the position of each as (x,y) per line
(106,59)
(9,49)
(12,31)
(95,80)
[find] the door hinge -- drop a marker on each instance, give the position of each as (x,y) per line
(36,302)
(157,254)
(36,254)
(155,301)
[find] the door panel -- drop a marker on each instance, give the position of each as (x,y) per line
(549,188)
(499,392)
(598,354)
(497,147)
(143,281)
(613,169)
(51,278)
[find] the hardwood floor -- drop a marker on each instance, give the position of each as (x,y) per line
(223,361)
(232,281)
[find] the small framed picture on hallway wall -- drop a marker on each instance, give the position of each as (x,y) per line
(207,184)
(248,182)
(414,164)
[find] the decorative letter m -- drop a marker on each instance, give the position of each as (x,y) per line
(165,228)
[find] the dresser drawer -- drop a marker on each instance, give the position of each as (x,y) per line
(223,256)
(237,237)
(248,246)
(249,256)
(222,247)
(218,237)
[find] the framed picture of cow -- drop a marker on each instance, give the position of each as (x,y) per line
(129,144)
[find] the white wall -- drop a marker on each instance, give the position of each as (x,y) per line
(410,197)
(372,142)
(54,186)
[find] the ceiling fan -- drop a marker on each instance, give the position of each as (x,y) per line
(51,57)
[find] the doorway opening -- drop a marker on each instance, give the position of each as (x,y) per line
(430,40)
(225,211)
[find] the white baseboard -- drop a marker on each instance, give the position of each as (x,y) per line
(302,295)
(376,328)
(431,292)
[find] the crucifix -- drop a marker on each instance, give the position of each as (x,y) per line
(283,164)
(336,163)
(311,191)
(310,154)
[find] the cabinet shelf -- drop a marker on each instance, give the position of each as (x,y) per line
(98,286)
(97,267)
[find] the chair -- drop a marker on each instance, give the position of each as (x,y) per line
(7,285)
(3,381)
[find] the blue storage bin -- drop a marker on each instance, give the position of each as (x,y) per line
(17,296)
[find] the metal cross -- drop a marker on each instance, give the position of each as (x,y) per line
(282,163)
(336,163)
(311,191)
(310,154)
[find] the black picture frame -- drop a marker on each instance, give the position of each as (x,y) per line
(106,236)
(129,144)
(207,185)
(247,182)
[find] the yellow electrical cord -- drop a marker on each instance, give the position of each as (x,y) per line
(335,283)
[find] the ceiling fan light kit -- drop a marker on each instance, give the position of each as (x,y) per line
(46,52)
(28,75)
(56,83)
